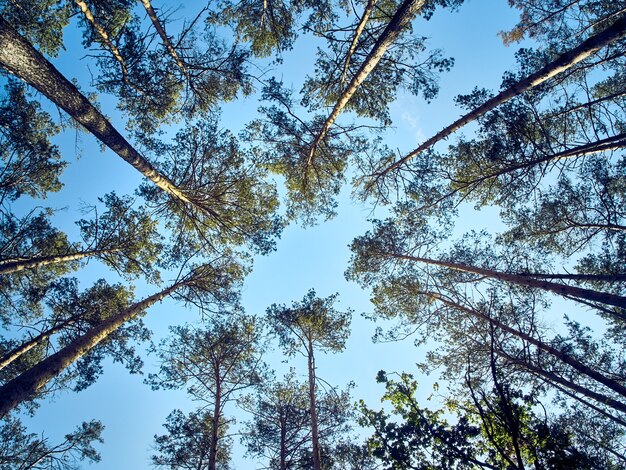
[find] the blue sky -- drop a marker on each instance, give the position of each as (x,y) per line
(305,258)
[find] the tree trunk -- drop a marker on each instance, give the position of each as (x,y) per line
(217,411)
(565,61)
(560,289)
(312,404)
(26,346)
(16,265)
(20,58)
(369,8)
(28,383)
(563,357)
(105,39)
(166,40)
(283,443)
(578,277)
(403,16)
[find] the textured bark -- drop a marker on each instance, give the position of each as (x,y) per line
(560,289)
(587,48)
(312,403)
(104,36)
(403,16)
(16,265)
(166,40)
(21,59)
(565,358)
(217,411)
(29,382)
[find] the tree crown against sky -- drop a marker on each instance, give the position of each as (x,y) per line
(190,196)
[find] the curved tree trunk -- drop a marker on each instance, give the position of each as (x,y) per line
(313,406)
(403,16)
(560,289)
(16,265)
(29,382)
(21,59)
(588,47)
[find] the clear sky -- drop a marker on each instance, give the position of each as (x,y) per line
(305,258)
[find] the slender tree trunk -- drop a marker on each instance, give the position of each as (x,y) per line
(369,8)
(16,265)
(560,355)
(588,104)
(312,404)
(21,59)
(217,411)
(104,36)
(610,143)
(26,346)
(283,443)
(560,289)
(29,382)
(403,16)
(588,47)
(618,277)
(164,38)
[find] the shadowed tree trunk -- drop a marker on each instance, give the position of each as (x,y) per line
(565,61)
(312,403)
(21,59)
(524,280)
(29,382)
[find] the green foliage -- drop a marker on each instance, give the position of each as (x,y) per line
(19,449)
(187,442)
(313,322)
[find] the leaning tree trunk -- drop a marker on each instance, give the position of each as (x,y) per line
(104,36)
(317,465)
(403,16)
(369,8)
(560,355)
(20,264)
(560,289)
(29,382)
(20,58)
(164,37)
(26,346)
(565,61)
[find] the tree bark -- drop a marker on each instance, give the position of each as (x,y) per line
(403,16)
(565,61)
(105,39)
(560,289)
(312,404)
(21,59)
(217,411)
(16,265)
(563,357)
(166,40)
(369,8)
(29,382)
(26,346)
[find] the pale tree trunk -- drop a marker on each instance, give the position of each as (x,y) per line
(560,289)
(21,59)
(15,265)
(563,357)
(104,36)
(588,47)
(166,40)
(403,16)
(34,379)
(26,346)
(317,465)
(369,8)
